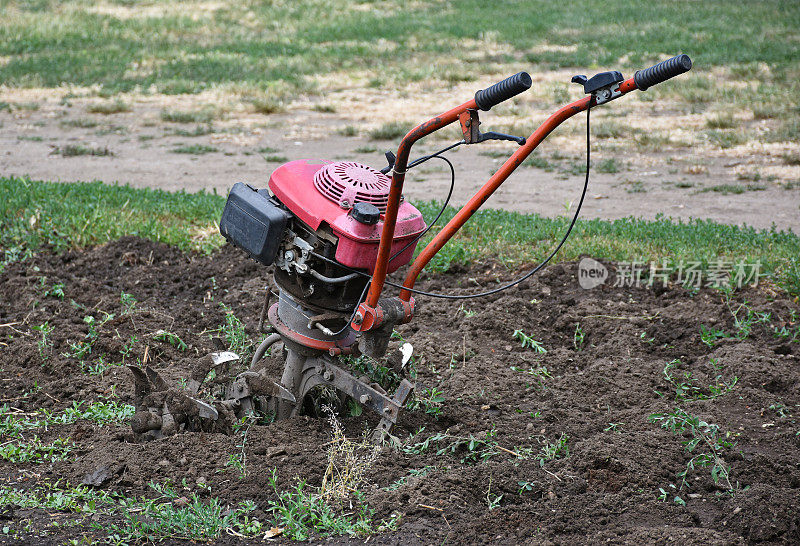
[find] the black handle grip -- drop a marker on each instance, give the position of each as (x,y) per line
(662,71)
(504,90)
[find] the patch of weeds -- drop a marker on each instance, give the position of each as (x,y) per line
(557,449)
(302,513)
(128,303)
(348,463)
(614,427)
(127,348)
(376,371)
(412,473)
(115,106)
(57,291)
(276,158)
(365,150)
(44,343)
(233,332)
(528,342)
(791,158)
(711,441)
(154,520)
(788,131)
(73,150)
(27,106)
(266,105)
(31,138)
(195,149)
(610,129)
(721,121)
(390,130)
(635,186)
(324,108)
(687,389)
(347,130)
(82,123)
(471,449)
(607,166)
(428,400)
(538,372)
(171,338)
(205,115)
(709,336)
(35,450)
(733,189)
(726,139)
(199,130)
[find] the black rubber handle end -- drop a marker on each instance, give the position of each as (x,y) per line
(662,71)
(502,91)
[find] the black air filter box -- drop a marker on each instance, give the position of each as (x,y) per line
(253,222)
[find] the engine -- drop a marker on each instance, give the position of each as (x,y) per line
(318,222)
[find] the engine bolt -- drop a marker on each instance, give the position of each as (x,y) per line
(358,319)
(328,375)
(365,399)
(387,411)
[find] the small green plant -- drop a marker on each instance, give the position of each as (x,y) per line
(128,303)
(233,331)
(578,337)
(713,443)
(710,336)
(57,291)
(347,130)
(44,343)
(528,341)
(428,400)
(539,372)
(613,427)
(127,348)
(492,501)
(171,338)
(556,449)
(686,388)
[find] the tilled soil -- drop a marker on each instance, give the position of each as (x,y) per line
(598,393)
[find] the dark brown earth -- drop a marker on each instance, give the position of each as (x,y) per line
(605,490)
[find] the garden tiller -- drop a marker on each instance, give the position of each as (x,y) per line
(332,231)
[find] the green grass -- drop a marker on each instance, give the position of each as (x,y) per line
(73,150)
(177,53)
(204,115)
(195,149)
(115,106)
(73,215)
(61,216)
(390,131)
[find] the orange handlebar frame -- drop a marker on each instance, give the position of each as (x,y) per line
(472,206)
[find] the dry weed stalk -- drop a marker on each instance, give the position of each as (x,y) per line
(348,462)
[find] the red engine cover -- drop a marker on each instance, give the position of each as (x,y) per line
(344,184)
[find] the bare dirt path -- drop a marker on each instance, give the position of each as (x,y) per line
(51,135)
